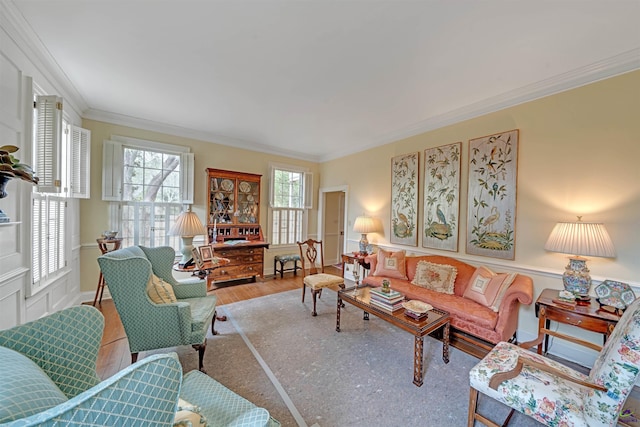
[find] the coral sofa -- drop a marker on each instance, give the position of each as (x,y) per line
(475,327)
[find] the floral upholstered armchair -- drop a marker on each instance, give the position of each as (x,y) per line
(554,394)
(151,326)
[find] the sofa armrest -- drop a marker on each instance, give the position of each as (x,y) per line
(520,292)
(145,393)
(64,344)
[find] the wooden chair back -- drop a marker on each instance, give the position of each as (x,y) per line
(310,253)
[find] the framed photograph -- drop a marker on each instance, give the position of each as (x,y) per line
(404,199)
(441,197)
(206,253)
(491,208)
(196,258)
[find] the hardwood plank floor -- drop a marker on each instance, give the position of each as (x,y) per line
(114,353)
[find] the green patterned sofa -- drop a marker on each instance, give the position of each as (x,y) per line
(151,326)
(48,377)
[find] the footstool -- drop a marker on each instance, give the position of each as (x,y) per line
(282,260)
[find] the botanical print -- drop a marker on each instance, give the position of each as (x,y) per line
(491,214)
(442,197)
(404,199)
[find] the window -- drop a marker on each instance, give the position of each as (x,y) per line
(49,242)
(290,191)
(148,183)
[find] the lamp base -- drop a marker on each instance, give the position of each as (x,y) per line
(187,245)
(362,244)
(576,278)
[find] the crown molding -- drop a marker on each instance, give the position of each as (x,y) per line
(153,126)
(27,41)
(610,67)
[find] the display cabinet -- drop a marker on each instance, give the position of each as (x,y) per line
(233,224)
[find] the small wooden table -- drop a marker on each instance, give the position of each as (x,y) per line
(206,269)
(355,257)
(418,328)
(589,317)
(105,246)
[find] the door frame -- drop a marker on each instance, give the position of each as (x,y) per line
(321,207)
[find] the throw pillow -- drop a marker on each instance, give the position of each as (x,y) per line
(26,388)
(188,415)
(391,264)
(160,291)
(437,277)
(488,288)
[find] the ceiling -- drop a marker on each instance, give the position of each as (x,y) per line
(319,79)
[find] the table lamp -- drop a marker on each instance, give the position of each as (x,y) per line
(187,226)
(579,239)
(364,225)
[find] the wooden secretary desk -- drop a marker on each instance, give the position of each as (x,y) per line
(233,224)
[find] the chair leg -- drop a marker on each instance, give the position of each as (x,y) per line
(314,293)
(473,406)
(201,348)
(304,288)
(213,322)
(134,358)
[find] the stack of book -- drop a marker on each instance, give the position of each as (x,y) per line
(389,302)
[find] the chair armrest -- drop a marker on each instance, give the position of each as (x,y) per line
(498,378)
(145,393)
(190,288)
(64,344)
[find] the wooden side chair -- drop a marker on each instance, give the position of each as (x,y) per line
(312,258)
(554,394)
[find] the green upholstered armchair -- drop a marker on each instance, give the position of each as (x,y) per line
(48,377)
(151,326)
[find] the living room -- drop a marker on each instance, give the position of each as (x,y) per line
(578,145)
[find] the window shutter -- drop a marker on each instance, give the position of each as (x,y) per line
(80,162)
(36,238)
(186,178)
(272,190)
(48,133)
(112,167)
(308,190)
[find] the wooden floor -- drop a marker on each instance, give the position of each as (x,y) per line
(114,350)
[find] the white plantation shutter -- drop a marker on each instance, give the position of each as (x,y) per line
(186,178)
(80,162)
(48,134)
(308,190)
(48,248)
(37,253)
(112,169)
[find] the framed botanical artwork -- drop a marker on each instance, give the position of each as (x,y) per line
(441,197)
(206,253)
(404,199)
(196,258)
(491,208)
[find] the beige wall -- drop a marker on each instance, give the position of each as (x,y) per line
(94,212)
(579,155)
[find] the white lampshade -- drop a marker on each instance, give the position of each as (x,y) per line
(364,224)
(581,238)
(187,224)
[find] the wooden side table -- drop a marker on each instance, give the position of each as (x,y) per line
(353,257)
(588,317)
(105,245)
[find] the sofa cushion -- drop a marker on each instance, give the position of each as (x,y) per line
(437,277)
(160,291)
(465,271)
(25,389)
(488,288)
(391,264)
(201,312)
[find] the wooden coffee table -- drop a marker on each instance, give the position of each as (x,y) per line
(418,328)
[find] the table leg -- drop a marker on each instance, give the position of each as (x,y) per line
(445,343)
(365,315)
(418,353)
(338,313)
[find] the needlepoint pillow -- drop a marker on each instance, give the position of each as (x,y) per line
(160,291)
(188,415)
(488,288)
(437,277)
(391,264)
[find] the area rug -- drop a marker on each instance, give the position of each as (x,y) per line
(275,354)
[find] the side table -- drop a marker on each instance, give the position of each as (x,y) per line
(355,257)
(588,317)
(105,245)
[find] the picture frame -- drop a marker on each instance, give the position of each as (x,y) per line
(404,199)
(441,202)
(491,206)
(195,253)
(206,253)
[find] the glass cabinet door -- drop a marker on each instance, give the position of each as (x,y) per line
(222,200)
(248,198)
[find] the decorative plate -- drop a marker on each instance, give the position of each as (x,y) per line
(244,187)
(219,196)
(249,198)
(416,306)
(226,185)
(615,294)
